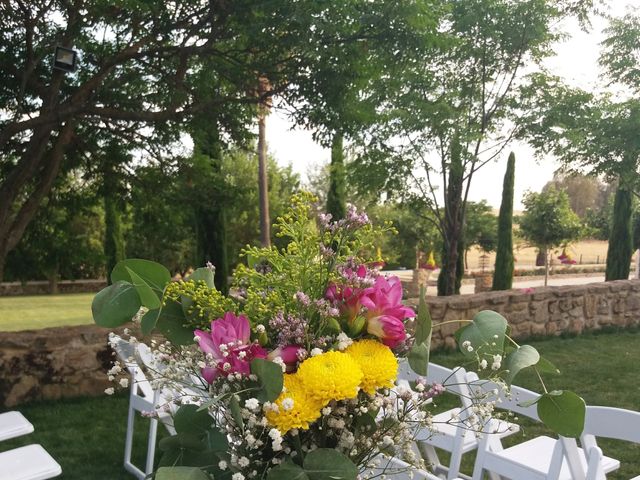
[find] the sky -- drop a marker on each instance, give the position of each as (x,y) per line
(575,60)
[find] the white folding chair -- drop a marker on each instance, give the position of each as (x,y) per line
(446,434)
(13,424)
(607,422)
(395,469)
(28,463)
(546,458)
(144,399)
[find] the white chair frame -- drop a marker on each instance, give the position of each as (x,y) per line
(459,439)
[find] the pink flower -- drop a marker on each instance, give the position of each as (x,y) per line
(347,299)
(229,345)
(385,312)
(290,355)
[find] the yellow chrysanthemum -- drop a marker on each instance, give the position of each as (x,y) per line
(295,408)
(330,376)
(377,362)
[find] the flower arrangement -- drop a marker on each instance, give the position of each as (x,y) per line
(295,371)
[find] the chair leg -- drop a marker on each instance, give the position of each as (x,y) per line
(429,454)
(151,446)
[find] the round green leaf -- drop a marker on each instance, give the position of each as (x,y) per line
(287,471)
(525,356)
(189,419)
(418,358)
(269,377)
(563,412)
(152,273)
(205,275)
(171,322)
(148,297)
(329,464)
(115,305)
(149,320)
(485,333)
(180,473)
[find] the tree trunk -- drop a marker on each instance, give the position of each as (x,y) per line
(113,235)
(546,265)
(336,201)
(620,248)
(453,224)
(17,218)
(263,176)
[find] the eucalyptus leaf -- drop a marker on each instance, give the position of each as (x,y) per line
(423,320)
(236,413)
(188,419)
(418,359)
(153,274)
(181,441)
(287,471)
(148,297)
(523,357)
(270,379)
(115,305)
(205,275)
(171,322)
(485,333)
(181,473)
(546,366)
(329,464)
(563,412)
(149,321)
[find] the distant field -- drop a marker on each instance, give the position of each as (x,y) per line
(592,252)
(32,312)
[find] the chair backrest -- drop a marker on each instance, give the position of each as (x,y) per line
(452,378)
(609,422)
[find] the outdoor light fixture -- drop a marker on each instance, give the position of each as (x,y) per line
(65,59)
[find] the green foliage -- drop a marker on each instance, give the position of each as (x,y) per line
(418,356)
(503,273)
(620,247)
(308,268)
(270,379)
(320,464)
(484,336)
(115,304)
(336,197)
(548,220)
(563,412)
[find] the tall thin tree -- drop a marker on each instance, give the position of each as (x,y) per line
(621,238)
(336,201)
(503,273)
(263,176)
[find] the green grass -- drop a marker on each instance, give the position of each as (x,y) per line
(42,311)
(86,436)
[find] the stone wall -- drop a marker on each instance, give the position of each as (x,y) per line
(544,310)
(72,361)
(53,363)
(43,287)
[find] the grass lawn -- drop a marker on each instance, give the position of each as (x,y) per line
(41,311)
(86,436)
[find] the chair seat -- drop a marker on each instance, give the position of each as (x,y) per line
(28,463)
(13,424)
(532,459)
(444,432)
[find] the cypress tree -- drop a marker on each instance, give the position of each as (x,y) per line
(503,272)
(620,238)
(336,197)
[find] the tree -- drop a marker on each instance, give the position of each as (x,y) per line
(620,247)
(151,66)
(336,197)
(585,192)
(465,93)
(549,222)
(480,228)
(503,272)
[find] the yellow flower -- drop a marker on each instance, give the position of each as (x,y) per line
(295,408)
(330,376)
(378,363)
